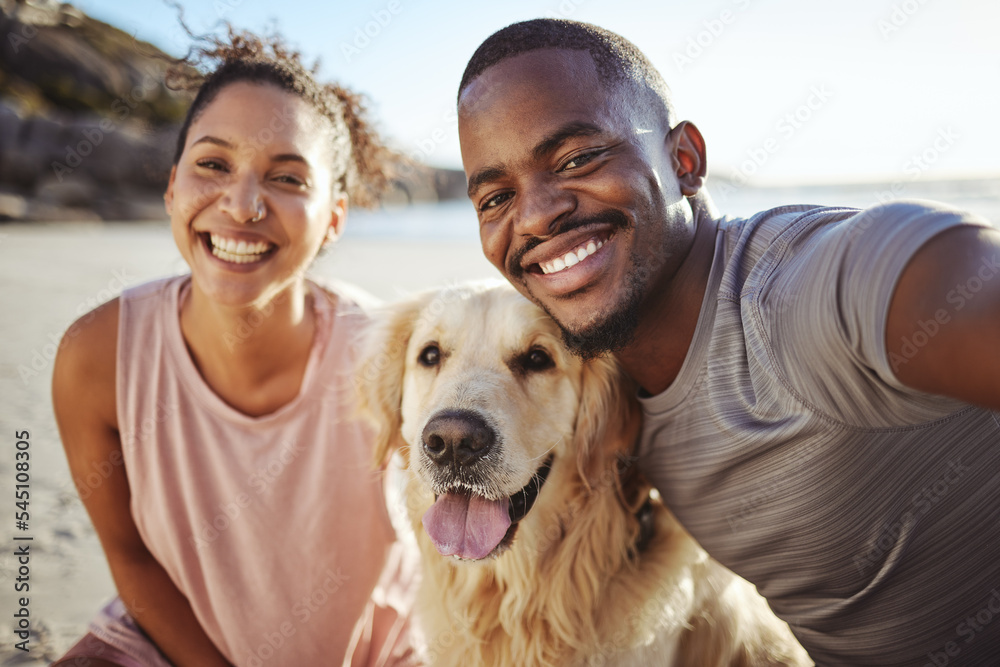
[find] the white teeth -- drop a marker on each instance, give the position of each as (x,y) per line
(571,258)
(238,252)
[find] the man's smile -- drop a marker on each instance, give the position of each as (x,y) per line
(573,257)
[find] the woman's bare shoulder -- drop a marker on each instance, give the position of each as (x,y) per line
(85,365)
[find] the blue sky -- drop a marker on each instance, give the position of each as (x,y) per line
(783,90)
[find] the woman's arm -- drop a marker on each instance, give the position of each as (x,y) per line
(83,395)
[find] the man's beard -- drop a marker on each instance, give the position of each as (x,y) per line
(611,331)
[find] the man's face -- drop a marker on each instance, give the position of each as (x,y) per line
(575,187)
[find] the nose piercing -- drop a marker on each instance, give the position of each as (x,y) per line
(261,211)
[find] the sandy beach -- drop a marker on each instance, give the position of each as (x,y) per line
(49,275)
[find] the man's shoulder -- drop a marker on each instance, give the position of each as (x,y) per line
(755,235)
(755,246)
(751,245)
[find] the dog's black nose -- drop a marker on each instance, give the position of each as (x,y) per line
(458,436)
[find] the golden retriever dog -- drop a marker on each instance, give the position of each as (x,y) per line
(540,543)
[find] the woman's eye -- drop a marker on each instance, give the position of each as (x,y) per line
(291,180)
(495,201)
(214,165)
(430,356)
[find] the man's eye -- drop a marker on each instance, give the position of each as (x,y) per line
(581,160)
(430,356)
(495,201)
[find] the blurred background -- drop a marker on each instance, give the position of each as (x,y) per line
(853,99)
(847,103)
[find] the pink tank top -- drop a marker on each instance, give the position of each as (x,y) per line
(274,527)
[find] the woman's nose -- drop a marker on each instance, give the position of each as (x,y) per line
(242,198)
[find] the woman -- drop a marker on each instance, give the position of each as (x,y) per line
(241,522)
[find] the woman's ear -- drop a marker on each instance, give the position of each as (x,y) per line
(378,375)
(338,218)
(168,196)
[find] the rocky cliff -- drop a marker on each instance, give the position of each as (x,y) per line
(87,126)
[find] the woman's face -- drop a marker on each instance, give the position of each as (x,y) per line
(251,198)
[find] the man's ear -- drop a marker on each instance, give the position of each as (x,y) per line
(168,196)
(338,218)
(687,148)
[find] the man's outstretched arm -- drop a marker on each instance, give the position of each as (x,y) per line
(943,328)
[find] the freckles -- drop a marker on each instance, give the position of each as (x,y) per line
(195,194)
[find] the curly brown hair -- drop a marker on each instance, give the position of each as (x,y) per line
(362,164)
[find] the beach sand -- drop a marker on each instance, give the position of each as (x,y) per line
(49,275)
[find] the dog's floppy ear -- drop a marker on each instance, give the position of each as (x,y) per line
(378,375)
(608,421)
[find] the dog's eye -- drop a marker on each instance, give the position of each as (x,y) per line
(430,356)
(536,360)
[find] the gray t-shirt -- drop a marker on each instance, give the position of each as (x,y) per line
(867,513)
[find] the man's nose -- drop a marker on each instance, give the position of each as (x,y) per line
(540,208)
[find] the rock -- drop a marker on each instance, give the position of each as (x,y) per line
(78,190)
(88,127)
(13,207)
(78,64)
(44,212)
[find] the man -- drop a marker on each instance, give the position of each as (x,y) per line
(820,386)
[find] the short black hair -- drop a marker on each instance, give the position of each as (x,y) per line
(617,59)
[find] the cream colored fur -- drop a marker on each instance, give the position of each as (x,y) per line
(570,590)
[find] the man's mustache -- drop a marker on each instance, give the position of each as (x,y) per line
(612,217)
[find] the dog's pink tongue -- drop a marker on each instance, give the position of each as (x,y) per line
(466,526)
